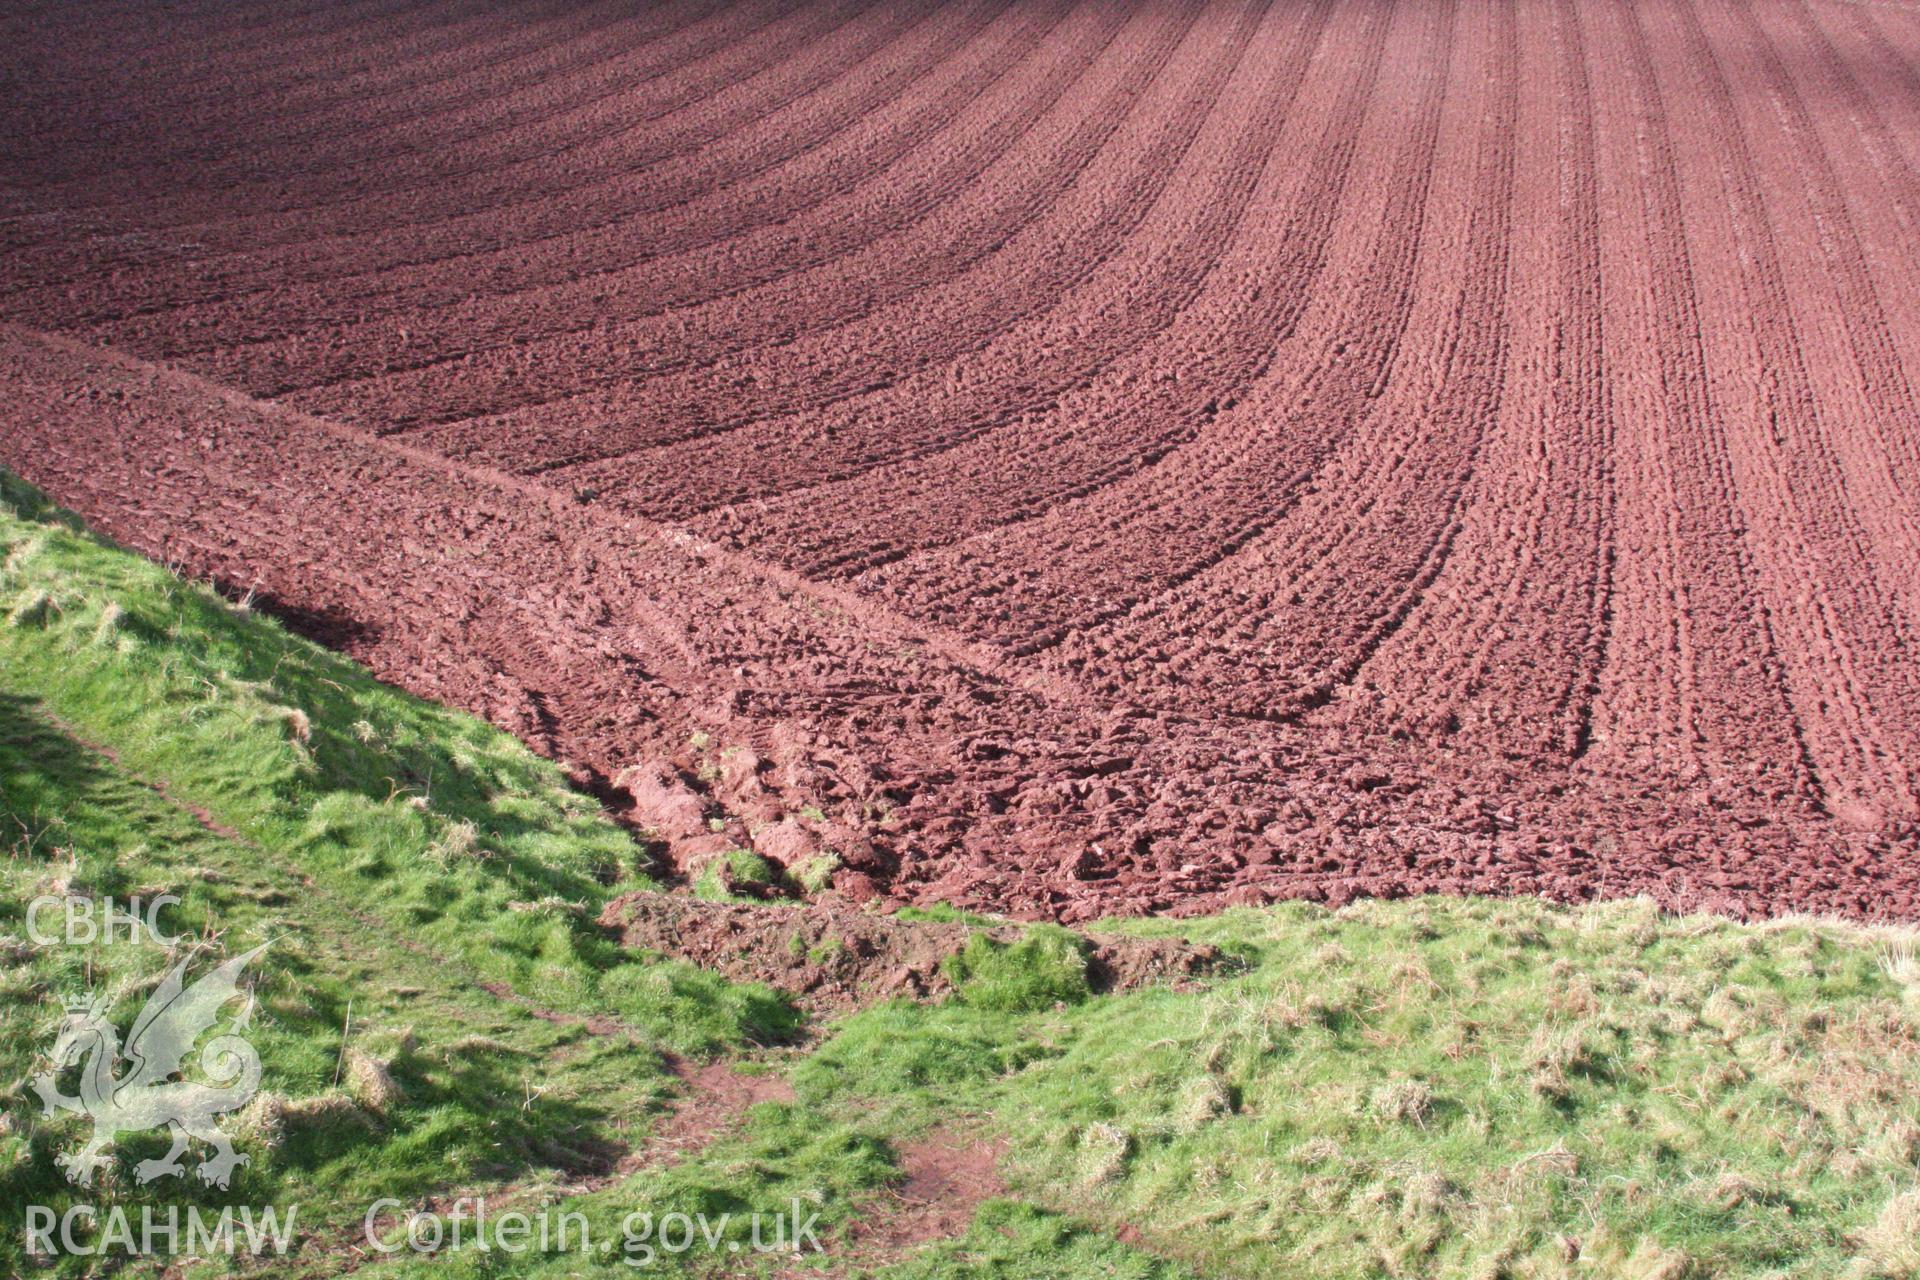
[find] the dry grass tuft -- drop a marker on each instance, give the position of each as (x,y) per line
(1900,960)
(1652,1261)
(112,621)
(1428,1194)
(1317,1151)
(460,841)
(1404,1102)
(551,905)
(1891,1243)
(1554,1056)
(1205,1100)
(23,552)
(322,1110)
(371,1082)
(1104,1151)
(1733,1189)
(264,1118)
(1330,955)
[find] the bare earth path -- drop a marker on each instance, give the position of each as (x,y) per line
(1094,458)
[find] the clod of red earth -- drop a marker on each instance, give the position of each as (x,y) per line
(1101,458)
(662,803)
(832,957)
(786,842)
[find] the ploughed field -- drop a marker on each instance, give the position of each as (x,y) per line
(1064,456)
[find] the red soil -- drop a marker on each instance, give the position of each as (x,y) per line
(832,958)
(1092,457)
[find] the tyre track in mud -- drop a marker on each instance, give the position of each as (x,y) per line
(1695,679)
(1528,587)
(1846,650)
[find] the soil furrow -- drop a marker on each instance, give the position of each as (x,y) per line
(1065,458)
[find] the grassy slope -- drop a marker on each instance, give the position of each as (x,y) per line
(1421,1088)
(399,855)
(1461,1088)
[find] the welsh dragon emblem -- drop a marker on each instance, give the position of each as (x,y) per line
(146,1097)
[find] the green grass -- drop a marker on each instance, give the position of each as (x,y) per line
(1013,1241)
(333,996)
(1426,1088)
(734,870)
(1046,966)
(1446,1087)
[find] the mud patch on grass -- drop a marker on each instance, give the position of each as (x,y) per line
(831,957)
